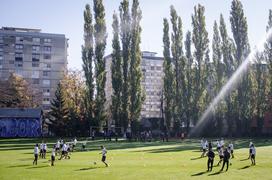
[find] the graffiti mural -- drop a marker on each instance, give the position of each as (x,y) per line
(14,127)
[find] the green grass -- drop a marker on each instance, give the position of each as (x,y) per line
(136,160)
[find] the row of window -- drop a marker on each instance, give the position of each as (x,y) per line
(35,48)
(45,82)
(35,40)
(35,57)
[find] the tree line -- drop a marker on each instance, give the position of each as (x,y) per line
(193,78)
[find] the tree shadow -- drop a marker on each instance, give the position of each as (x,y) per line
(200,173)
(245,167)
(89,168)
(21,165)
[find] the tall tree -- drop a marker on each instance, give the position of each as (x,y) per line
(179,66)
(219,73)
(59,113)
(189,80)
(227,48)
(168,80)
(268,57)
(136,93)
(239,29)
(116,73)
(87,58)
(201,46)
(125,35)
(100,37)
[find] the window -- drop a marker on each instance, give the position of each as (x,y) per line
(1,64)
(48,65)
(35,74)
(18,56)
(152,67)
(36,40)
(11,62)
(36,57)
(47,56)
(158,68)
(1,57)
(46,82)
(35,81)
(35,48)
(21,39)
(46,73)
(47,48)
(35,64)
(18,64)
(1,48)
(47,40)
(46,90)
(19,47)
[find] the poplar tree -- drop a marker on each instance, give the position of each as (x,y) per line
(239,29)
(201,45)
(87,58)
(100,36)
(125,36)
(168,80)
(116,73)
(136,94)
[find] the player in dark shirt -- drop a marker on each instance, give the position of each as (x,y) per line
(226,159)
(210,155)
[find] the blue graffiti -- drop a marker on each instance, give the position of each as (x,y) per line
(12,127)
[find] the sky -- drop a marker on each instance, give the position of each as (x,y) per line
(66,17)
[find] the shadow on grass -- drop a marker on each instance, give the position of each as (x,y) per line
(244,159)
(197,158)
(21,165)
(89,168)
(245,167)
(26,159)
(170,149)
(36,167)
(216,173)
(200,173)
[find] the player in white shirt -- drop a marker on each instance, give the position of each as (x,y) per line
(63,151)
(221,155)
(41,150)
(252,154)
(36,153)
(231,148)
(222,142)
(44,150)
(218,146)
(74,144)
(58,147)
(250,144)
(104,152)
(53,155)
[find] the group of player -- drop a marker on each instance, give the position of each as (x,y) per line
(61,148)
(224,152)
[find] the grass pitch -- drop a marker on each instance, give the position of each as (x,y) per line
(133,160)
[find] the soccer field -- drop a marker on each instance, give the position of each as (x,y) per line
(135,160)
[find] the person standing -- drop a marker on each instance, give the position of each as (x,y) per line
(104,152)
(210,155)
(221,155)
(226,159)
(231,149)
(53,155)
(252,154)
(36,153)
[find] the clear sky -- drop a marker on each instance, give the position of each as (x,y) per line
(66,17)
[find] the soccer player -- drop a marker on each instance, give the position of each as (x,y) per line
(252,154)
(44,151)
(204,148)
(218,146)
(226,159)
(41,150)
(53,155)
(36,153)
(249,155)
(210,155)
(58,147)
(231,148)
(74,144)
(221,155)
(104,152)
(63,151)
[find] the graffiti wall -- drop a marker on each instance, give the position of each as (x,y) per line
(12,127)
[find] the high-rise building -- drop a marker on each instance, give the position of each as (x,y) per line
(40,58)
(152,83)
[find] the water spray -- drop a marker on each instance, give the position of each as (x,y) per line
(231,84)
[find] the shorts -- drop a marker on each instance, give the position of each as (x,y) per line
(36,156)
(218,148)
(57,149)
(221,157)
(62,152)
(52,158)
(204,150)
(103,158)
(231,151)
(253,156)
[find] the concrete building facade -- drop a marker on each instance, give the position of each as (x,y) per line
(40,58)
(152,83)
